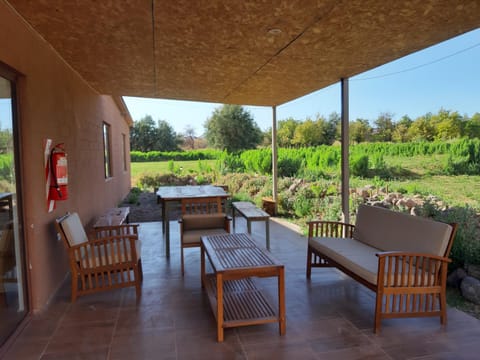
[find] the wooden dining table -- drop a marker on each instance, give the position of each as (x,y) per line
(169,195)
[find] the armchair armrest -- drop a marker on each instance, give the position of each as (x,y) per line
(107,251)
(407,269)
(329,229)
(113,230)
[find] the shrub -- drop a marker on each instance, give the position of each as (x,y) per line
(466,246)
(359,165)
(289,166)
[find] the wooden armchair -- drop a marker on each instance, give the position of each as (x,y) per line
(108,260)
(201,216)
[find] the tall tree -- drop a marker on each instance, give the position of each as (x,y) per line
(232,128)
(189,136)
(145,136)
(310,132)
(472,126)
(400,133)
(448,124)
(286,131)
(333,129)
(360,131)
(422,129)
(384,127)
(167,139)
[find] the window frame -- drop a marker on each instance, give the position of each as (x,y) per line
(107,149)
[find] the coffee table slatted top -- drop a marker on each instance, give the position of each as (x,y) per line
(235,252)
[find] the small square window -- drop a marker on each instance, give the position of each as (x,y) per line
(107,150)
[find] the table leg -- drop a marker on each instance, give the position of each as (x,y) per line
(219,307)
(233,218)
(163,215)
(167,230)
(202,265)
(281,301)
(249,227)
(267,233)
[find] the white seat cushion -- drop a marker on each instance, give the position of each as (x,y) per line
(361,259)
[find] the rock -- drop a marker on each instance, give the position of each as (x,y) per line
(473,270)
(364,193)
(456,277)
(470,288)
(401,203)
(410,203)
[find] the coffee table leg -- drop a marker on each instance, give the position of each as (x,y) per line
(219,307)
(267,233)
(167,231)
(281,301)
(202,265)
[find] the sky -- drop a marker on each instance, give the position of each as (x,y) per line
(446,75)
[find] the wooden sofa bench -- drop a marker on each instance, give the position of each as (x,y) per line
(402,258)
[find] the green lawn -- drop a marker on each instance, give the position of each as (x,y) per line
(162,167)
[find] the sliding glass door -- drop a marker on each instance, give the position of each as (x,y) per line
(13,297)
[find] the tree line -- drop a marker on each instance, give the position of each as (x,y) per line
(444,125)
(232,128)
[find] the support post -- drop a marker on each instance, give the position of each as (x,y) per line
(274,159)
(345,152)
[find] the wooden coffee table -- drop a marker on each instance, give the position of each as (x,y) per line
(235,300)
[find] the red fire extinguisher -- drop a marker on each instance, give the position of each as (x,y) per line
(58,167)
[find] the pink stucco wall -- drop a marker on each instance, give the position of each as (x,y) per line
(55,102)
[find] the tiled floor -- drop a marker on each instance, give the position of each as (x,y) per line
(329,317)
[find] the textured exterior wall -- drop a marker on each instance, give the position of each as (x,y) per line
(55,102)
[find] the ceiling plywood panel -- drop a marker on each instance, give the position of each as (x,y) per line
(206,49)
(222,51)
(109,43)
(355,37)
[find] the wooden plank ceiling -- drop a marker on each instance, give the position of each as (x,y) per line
(224,51)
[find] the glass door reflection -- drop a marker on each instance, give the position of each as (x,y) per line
(12,263)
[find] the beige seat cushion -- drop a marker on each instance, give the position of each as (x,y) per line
(394,231)
(361,259)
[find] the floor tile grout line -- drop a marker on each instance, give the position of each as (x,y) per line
(60,320)
(109,352)
(242,345)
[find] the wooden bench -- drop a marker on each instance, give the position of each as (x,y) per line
(402,258)
(113,217)
(251,213)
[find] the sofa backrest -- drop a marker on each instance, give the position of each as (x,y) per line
(389,230)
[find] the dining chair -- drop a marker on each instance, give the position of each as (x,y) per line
(201,216)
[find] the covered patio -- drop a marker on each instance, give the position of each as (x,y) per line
(70,62)
(329,317)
